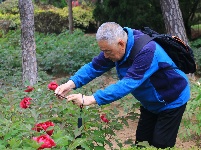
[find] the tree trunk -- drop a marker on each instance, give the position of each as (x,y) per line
(98,23)
(29,63)
(70,15)
(173,18)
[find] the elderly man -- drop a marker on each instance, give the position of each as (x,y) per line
(151,77)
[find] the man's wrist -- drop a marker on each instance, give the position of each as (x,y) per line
(71,84)
(88,100)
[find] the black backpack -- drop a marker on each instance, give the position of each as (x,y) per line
(178,51)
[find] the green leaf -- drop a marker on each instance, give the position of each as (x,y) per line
(85,146)
(115,111)
(63,140)
(77,142)
(125,122)
(32,143)
(14,143)
(2,147)
(78,132)
(34,113)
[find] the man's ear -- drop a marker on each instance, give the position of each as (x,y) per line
(121,43)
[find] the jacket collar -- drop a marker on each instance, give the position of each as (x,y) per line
(129,45)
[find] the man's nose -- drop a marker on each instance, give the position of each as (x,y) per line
(106,55)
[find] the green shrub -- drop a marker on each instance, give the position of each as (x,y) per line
(54,20)
(49,19)
(11,58)
(196,46)
(50,22)
(13,19)
(9,12)
(4,27)
(57,54)
(196,43)
(58,3)
(66,52)
(9,7)
(83,17)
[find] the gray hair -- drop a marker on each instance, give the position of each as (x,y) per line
(110,31)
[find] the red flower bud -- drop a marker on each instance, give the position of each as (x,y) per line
(104,119)
(46,140)
(44,126)
(29,89)
(25,102)
(52,85)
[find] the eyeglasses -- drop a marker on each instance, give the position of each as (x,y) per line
(107,51)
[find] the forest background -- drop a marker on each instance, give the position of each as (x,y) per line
(59,53)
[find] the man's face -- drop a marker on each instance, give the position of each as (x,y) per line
(114,51)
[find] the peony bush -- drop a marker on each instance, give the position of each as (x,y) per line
(33,118)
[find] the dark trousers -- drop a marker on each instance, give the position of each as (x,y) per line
(160,130)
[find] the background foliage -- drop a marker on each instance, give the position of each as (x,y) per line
(136,14)
(131,13)
(49,19)
(91,13)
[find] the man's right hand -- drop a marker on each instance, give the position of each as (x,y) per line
(64,89)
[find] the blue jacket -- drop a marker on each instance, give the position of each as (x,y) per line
(156,90)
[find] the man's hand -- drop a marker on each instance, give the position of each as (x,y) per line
(80,99)
(63,89)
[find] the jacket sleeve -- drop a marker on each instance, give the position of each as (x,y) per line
(115,91)
(90,71)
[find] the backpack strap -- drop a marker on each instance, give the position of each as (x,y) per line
(139,44)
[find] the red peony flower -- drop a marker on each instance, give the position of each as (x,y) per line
(46,140)
(52,85)
(29,89)
(104,119)
(44,126)
(25,102)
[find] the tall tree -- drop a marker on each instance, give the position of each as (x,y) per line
(173,18)
(70,15)
(29,63)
